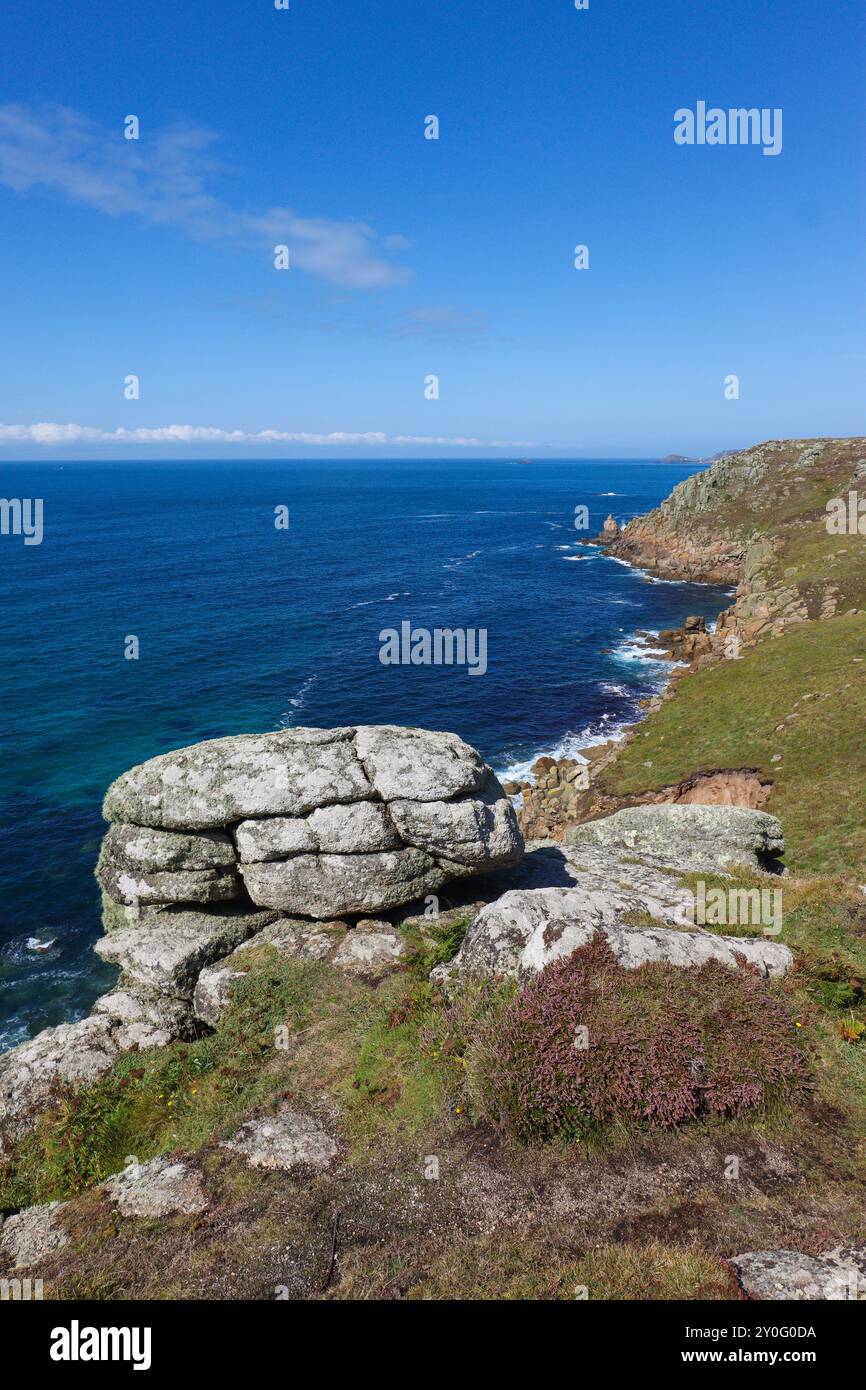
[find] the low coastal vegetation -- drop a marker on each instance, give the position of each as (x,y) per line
(588,1044)
(458,1120)
(794,709)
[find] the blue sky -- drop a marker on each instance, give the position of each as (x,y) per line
(412,256)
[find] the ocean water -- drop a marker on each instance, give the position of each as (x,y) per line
(244,627)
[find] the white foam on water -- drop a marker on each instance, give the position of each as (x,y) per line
(38,943)
(389,598)
(298,701)
(602,730)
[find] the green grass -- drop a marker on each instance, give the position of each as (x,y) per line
(400,1079)
(727,716)
(508,1266)
(174,1098)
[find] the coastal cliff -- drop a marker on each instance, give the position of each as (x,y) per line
(758,520)
(749,719)
(345,1036)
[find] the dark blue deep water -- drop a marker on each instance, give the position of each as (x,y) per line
(243,627)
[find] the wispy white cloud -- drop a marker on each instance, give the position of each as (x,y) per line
(166,178)
(53,435)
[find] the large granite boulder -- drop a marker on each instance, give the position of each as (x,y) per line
(310,822)
(704,839)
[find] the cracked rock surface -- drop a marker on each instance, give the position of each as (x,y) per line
(311,822)
(286,1140)
(157,1188)
(789,1274)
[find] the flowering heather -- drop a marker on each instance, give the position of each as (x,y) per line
(588,1042)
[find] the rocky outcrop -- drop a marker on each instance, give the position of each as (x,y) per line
(689,643)
(558,800)
(609,877)
(266,839)
(286,1141)
(735,522)
(310,822)
(157,1188)
(166,950)
(211,845)
(528,929)
(741,786)
(790,1275)
(30,1235)
(555,800)
(692,837)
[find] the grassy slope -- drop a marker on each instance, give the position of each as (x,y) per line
(812,683)
(638,1215)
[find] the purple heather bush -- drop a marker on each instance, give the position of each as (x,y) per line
(588,1043)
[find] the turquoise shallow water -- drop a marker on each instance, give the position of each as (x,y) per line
(243,627)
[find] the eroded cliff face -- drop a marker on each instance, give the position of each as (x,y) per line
(758,520)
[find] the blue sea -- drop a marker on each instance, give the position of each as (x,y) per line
(243,627)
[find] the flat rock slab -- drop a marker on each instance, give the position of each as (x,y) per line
(370,951)
(31,1235)
(526,929)
(221,781)
(790,1275)
(167,950)
(692,837)
(157,1188)
(285,1141)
